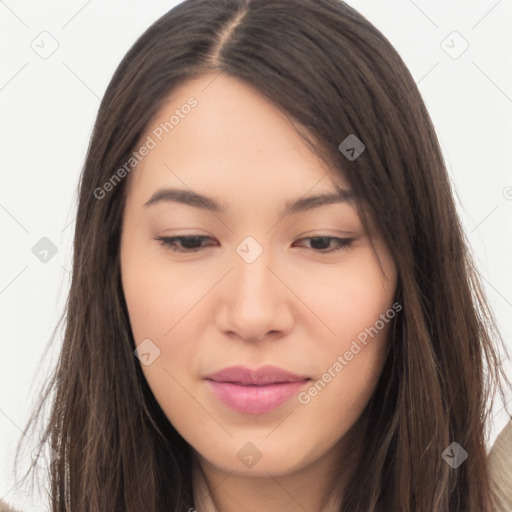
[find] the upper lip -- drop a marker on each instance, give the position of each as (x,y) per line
(265,375)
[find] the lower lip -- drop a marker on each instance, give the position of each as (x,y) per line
(255,399)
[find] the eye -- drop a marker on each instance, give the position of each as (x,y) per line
(321,243)
(189,244)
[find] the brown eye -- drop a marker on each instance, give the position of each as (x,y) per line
(188,243)
(321,244)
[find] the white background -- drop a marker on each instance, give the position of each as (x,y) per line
(49,106)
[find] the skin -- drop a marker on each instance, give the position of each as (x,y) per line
(295,306)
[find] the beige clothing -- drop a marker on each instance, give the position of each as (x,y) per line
(500,461)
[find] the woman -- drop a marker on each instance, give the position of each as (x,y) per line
(273,305)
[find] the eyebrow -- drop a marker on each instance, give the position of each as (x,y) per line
(196,200)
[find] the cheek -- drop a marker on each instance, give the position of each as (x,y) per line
(158,300)
(160,306)
(348,298)
(356,305)
(349,368)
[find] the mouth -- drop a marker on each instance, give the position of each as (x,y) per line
(255,391)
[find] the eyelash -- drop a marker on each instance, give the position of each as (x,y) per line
(169,242)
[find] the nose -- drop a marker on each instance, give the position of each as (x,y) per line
(254,302)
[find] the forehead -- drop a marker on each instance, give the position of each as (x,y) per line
(217,133)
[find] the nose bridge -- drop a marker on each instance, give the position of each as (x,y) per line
(254,280)
(254,303)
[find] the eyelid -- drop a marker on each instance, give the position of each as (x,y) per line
(342,243)
(167,241)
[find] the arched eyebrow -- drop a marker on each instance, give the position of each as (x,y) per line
(309,202)
(294,206)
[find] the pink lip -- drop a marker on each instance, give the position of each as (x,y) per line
(255,392)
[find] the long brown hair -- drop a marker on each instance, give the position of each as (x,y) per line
(332,72)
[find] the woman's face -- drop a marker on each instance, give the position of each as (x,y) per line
(256,284)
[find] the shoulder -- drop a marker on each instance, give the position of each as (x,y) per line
(500,465)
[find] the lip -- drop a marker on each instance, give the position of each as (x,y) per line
(255,391)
